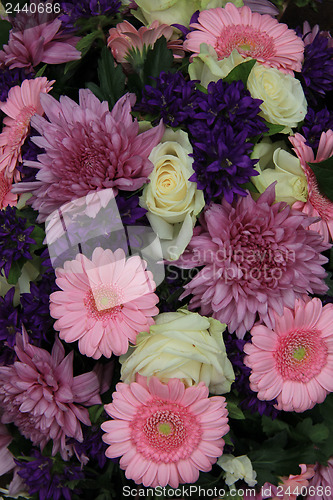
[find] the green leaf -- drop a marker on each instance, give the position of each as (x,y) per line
(38,234)
(329,283)
(273,128)
(234,411)
(201,88)
(111,78)
(15,271)
(272,427)
(5,27)
(40,72)
(324,176)
(95,412)
(240,72)
(83,46)
(159,58)
(306,430)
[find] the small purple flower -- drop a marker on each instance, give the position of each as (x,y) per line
(92,446)
(73,11)
(49,478)
(129,209)
(15,239)
(315,123)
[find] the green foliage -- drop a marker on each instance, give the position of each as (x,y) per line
(234,411)
(241,72)
(273,128)
(324,176)
(5,27)
(111,79)
(83,45)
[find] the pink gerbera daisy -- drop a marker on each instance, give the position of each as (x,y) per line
(322,482)
(164,433)
(258,257)
(253,35)
(37,37)
(7,198)
(292,486)
(317,203)
(39,394)
(88,148)
(127,44)
(104,302)
(21,104)
(294,361)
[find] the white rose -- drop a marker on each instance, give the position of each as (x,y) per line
(276,164)
(172,201)
(181,345)
(283,96)
(207,68)
(237,468)
(174,11)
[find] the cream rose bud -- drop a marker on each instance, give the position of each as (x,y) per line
(181,345)
(283,96)
(237,468)
(172,201)
(276,164)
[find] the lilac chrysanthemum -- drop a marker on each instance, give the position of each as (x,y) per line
(49,479)
(172,98)
(73,11)
(87,148)
(258,257)
(15,239)
(39,394)
(10,78)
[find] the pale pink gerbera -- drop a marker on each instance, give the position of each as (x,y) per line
(253,35)
(7,198)
(257,258)
(39,394)
(322,482)
(293,485)
(37,37)
(104,302)
(294,361)
(88,148)
(21,104)
(317,203)
(164,433)
(127,43)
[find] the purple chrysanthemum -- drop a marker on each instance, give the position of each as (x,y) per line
(315,123)
(172,98)
(48,479)
(257,257)
(10,78)
(87,148)
(317,69)
(9,319)
(15,238)
(92,446)
(73,11)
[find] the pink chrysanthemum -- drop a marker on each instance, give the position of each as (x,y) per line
(88,148)
(21,104)
(258,257)
(253,35)
(39,394)
(104,302)
(37,37)
(125,41)
(317,204)
(164,433)
(322,482)
(294,361)
(6,458)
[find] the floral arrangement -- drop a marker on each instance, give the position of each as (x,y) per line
(166,218)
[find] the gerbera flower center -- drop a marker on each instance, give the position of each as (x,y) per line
(249,42)
(104,301)
(165,432)
(301,355)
